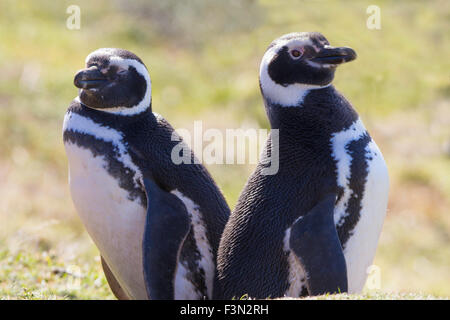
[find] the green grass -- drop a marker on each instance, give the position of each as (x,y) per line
(204,61)
(43,275)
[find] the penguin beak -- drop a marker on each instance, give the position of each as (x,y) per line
(90,78)
(334,55)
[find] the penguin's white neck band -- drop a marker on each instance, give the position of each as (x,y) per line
(144,104)
(285,96)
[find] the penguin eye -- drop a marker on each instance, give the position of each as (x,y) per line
(296,53)
(122,71)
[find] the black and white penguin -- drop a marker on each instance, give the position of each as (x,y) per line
(156,224)
(312,227)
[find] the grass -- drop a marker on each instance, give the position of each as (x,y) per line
(399,84)
(43,275)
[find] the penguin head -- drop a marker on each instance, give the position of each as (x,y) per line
(298,62)
(114,81)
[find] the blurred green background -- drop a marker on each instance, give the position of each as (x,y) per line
(203,58)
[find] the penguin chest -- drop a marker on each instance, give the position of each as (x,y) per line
(106,188)
(361,208)
(362,178)
(113,216)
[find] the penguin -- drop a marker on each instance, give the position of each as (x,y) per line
(312,227)
(157,224)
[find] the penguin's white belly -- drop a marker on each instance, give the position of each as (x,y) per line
(115,220)
(115,223)
(361,246)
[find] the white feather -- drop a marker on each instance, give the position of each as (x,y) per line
(297,275)
(361,246)
(207,259)
(114,222)
(339,142)
(77,123)
(184,289)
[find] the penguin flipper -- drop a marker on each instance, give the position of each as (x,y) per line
(116,289)
(166,227)
(315,242)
